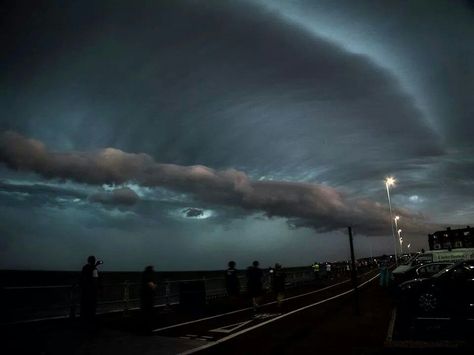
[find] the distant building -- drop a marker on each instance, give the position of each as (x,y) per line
(452,239)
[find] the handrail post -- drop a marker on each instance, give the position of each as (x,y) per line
(126,297)
(167,292)
(205,289)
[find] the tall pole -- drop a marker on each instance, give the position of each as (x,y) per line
(391,223)
(396,228)
(370,247)
(354,274)
(400,239)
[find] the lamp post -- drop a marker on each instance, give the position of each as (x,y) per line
(401,240)
(396,219)
(390,181)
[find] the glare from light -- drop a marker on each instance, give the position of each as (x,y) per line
(390,181)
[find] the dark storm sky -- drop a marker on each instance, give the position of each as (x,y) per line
(187,133)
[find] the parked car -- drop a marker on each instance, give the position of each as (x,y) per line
(419,271)
(447,293)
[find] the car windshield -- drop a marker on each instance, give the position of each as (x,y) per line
(446,269)
(407,260)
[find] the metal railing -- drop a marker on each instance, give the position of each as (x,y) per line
(26,303)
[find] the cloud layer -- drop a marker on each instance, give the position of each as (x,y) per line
(319,206)
(297,108)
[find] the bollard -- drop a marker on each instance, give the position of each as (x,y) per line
(205,289)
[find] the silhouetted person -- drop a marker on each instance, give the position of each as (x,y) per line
(316,269)
(254,283)
(89,289)
(278,283)
(232,283)
(147,297)
(328,270)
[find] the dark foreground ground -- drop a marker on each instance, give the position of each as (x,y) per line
(326,325)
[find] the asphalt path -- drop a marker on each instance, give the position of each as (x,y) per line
(221,327)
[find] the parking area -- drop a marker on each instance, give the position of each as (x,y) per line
(428,335)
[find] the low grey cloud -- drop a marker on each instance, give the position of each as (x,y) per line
(120,196)
(322,207)
(41,189)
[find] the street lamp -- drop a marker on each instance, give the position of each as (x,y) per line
(390,181)
(396,219)
(401,240)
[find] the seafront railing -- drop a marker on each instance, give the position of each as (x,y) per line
(28,303)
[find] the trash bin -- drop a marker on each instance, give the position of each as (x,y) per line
(192,295)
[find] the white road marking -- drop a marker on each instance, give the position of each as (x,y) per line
(391,327)
(231,327)
(248,308)
(266,315)
(243,331)
(34,320)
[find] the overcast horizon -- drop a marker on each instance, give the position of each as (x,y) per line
(184,134)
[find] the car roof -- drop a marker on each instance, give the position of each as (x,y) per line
(433,263)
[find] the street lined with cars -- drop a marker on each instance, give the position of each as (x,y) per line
(450,292)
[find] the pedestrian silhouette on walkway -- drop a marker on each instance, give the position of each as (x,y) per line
(278,283)
(147,297)
(232,283)
(254,283)
(90,283)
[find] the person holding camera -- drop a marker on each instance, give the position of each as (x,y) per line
(90,284)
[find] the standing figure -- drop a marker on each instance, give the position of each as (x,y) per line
(232,283)
(315,267)
(328,270)
(254,283)
(278,284)
(147,297)
(89,289)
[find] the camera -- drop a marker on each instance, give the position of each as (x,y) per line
(98,262)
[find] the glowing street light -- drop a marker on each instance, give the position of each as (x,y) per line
(390,181)
(401,240)
(396,219)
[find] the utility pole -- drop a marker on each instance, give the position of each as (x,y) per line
(354,274)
